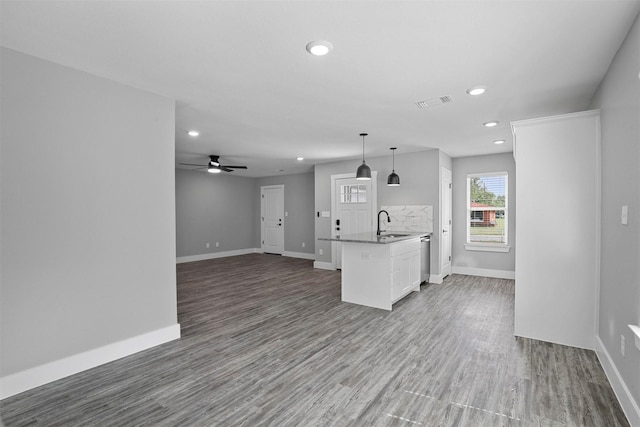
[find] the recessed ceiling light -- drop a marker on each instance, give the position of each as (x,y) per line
(498,141)
(476,90)
(193,133)
(490,124)
(319,47)
(299,159)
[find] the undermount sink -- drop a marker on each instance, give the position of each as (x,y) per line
(391,235)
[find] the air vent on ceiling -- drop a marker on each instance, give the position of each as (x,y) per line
(427,103)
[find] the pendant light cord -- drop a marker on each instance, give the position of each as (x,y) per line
(393,168)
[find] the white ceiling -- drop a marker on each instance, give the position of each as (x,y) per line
(240,74)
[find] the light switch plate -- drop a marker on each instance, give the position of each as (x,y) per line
(624,216)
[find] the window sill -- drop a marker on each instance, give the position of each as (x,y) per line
(487,248)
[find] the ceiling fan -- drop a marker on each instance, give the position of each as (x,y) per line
(214,165)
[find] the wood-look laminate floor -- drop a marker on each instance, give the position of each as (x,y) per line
(267,342)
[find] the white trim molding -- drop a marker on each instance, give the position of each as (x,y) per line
(436,278)
(629,405)
(237,252)
(324,265)
(484,272)
(636,332)
(302,255)
(34,377)
(486,248)
(213,255)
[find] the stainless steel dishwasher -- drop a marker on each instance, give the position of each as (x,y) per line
(425,258)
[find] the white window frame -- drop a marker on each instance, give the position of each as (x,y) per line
(490,247)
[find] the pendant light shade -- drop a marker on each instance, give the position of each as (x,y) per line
(364,172)
(393,180)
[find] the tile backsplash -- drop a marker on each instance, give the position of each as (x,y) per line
(408,218)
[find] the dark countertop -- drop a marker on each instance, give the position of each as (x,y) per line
(371,237)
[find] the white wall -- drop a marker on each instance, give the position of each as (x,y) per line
(88,222)
(492,264)
(558,200)
(619,100)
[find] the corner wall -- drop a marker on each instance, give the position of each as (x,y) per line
(88,221)
(618,99)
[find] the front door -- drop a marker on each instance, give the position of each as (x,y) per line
(271,211)
(445,222)
(353,210)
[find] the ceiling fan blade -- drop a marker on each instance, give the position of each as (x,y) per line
(226,169)
(235,167)
(191,164)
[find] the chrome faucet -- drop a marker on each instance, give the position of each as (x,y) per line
(388,220)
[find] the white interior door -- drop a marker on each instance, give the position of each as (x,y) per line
(353,209)
(445,223)
(271,211)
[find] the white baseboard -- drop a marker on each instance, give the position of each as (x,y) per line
(628,403)
(302,255)
(483,272)
(323,265)
(34,377)
(213,255)
(436,278)
(237,252)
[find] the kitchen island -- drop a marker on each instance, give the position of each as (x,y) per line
(379,270)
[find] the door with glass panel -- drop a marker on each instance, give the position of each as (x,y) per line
(353,210)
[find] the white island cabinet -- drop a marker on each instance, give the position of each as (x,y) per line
(377,271)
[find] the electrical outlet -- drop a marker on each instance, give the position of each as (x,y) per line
(622,344)
(303,244)
(320,251)
(208,245)
(217,244)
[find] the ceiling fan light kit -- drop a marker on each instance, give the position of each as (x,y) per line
(394,179)
(363,172)
(214,165)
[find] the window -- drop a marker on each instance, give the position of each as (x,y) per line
(487,212)
(353,193)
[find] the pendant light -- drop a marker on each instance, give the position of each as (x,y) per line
(363,171)
(393,180)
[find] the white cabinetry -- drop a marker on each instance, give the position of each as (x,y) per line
(377,275)
(558,206)
(405,268)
